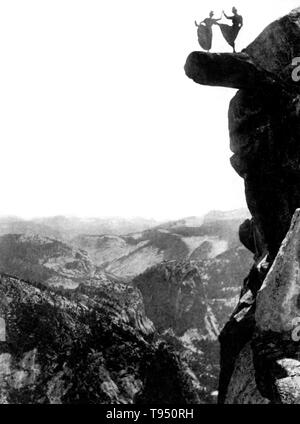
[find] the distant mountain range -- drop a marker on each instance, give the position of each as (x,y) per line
(190,238)
(47,250)
(65,228)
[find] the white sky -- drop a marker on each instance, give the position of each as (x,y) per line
(97,117)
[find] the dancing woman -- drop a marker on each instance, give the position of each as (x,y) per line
(230,32)
(205,31)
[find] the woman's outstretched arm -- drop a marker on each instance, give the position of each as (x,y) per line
(227,17)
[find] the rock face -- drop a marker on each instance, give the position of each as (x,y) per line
(175,297)
(93,352)
(263,121)
(277,316)
(189,302)
(267,370)
(258,354)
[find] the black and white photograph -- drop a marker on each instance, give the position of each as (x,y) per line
(150,205)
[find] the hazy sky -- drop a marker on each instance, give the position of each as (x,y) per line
(98,117)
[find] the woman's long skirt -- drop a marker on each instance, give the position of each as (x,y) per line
(229,33)
(204,37)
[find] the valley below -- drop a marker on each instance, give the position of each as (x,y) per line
(136,315)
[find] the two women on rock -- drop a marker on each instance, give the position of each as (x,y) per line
(230,32)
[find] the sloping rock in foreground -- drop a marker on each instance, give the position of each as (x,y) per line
(267,370)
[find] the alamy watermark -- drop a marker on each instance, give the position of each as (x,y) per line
(296,330)
(296,321)
(296,70)
(2,330)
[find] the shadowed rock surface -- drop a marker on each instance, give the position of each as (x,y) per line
(259,365)
(234,70)
(272,367)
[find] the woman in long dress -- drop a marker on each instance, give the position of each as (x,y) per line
(230,32)
(205,31)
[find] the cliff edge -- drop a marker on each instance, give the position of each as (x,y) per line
(259,345)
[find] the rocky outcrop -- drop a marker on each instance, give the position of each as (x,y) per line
(234,70)
(54,349)
(276,339)
(176,301)
(174,297)
(189,302)
(272,369)
(263,121)
(258,358)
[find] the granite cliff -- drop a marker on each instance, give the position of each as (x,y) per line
(259,351)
